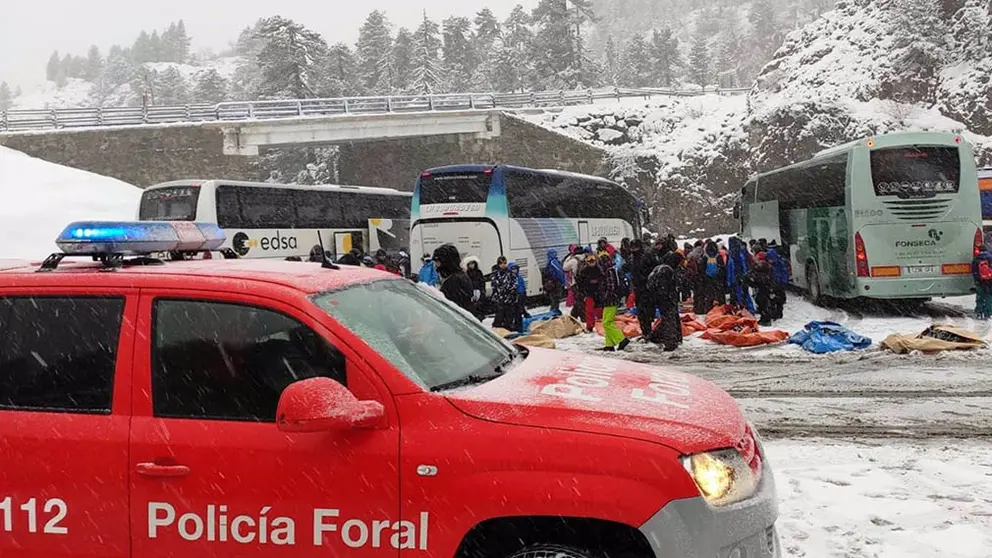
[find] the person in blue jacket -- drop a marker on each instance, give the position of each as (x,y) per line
(428,274)
(520,307)
(738,267)
(780,277)
(555,281)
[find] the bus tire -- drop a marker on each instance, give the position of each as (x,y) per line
(813,284)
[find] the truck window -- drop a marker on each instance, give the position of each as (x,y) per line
(59,353)
(214,360)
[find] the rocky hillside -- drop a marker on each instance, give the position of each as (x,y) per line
(866,67)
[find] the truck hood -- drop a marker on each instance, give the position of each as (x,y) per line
(570,391)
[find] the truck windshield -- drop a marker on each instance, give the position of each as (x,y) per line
(432,342)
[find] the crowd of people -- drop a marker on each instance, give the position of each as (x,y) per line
(651,277)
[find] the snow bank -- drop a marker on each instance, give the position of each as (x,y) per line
(41,198)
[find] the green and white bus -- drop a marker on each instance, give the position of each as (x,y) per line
(892,217)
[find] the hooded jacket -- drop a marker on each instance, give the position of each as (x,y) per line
(555,270)
(504,286)
(428,275)
(455,284)
(475,275)
(521,284)
(607,294)
(780,268)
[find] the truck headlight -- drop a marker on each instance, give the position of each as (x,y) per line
(723,476)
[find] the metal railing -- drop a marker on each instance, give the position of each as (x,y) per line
(57,119)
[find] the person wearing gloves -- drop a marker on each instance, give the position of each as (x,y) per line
(471,267)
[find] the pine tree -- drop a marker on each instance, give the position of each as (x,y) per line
(512,63)
(636,63)
(119,67)
(183,44)
(374,53)
(764,28)
(559,48)
(94,64)
(52,69)
(101,90)
(729,63)
(6,96)
(155,47)
(699,61)
(341,73)
(665,57)
(458,56)
(247,75)
(486,27)
(142,49)
(171,88)
(170,44)
(210,87)
(62,73)
(611,62)
(426,59)
(402,58)
(290,61)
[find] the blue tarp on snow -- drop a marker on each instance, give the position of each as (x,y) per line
(829,337)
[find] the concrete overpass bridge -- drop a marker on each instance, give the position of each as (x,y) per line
(384,141)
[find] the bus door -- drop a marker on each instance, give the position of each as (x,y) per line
(583,233)
(763,222)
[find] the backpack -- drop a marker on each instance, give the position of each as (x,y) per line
(984,271)
(712,267)
(548,280)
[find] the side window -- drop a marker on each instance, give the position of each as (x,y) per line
(317,209)
(231,362)
(267,208)
(228,208)
(59,353)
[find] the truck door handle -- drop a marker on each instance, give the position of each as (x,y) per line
(156,470)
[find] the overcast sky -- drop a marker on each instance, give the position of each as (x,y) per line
(31,29)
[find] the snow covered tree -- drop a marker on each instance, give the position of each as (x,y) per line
(94,64)
(764,28)
(211,87)
(119,68)
(101,91)
(246,76)
(426,58)
(171,88)
(290,60)
(52,69)
(403,53)
(635,64)
(458,56)
(699,61)
(183,43)
(486,27)
(665,57)
(341,73)
(729,61)
(374,53)
(6,96)
(510,67)
(611,62)
(559,48)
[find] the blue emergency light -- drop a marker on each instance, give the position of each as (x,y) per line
(138,237)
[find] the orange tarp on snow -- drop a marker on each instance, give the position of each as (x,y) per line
(632,328)
(739,329)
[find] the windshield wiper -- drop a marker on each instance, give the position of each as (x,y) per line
(470,380)
(474,379)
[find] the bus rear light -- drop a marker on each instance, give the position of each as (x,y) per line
(487,171)
(979,241)
(870,143)
(955,269)
(861,255)
(957,140)
(425,175)
(886,271)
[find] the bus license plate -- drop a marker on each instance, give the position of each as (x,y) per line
(921,270)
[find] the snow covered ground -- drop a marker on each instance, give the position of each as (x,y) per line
(41,198)
(883,499)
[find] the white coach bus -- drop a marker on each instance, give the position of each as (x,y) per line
(263,220)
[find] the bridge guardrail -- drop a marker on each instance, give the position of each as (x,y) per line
(56,119)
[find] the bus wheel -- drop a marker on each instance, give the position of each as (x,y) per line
(813,284)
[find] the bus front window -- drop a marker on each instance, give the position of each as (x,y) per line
(169,204)
(470,187)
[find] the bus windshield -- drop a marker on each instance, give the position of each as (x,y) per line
(470,187)
(169,204)
(914,172)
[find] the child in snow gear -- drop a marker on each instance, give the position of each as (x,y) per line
(571,267)
(428,273)
(738,265)
(642,263)
(609,298)
(780,276)
(981,271)
(504,294)
(590,277)
(520,309)
(760,277)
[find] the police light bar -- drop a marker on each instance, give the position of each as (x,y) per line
(139,237)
